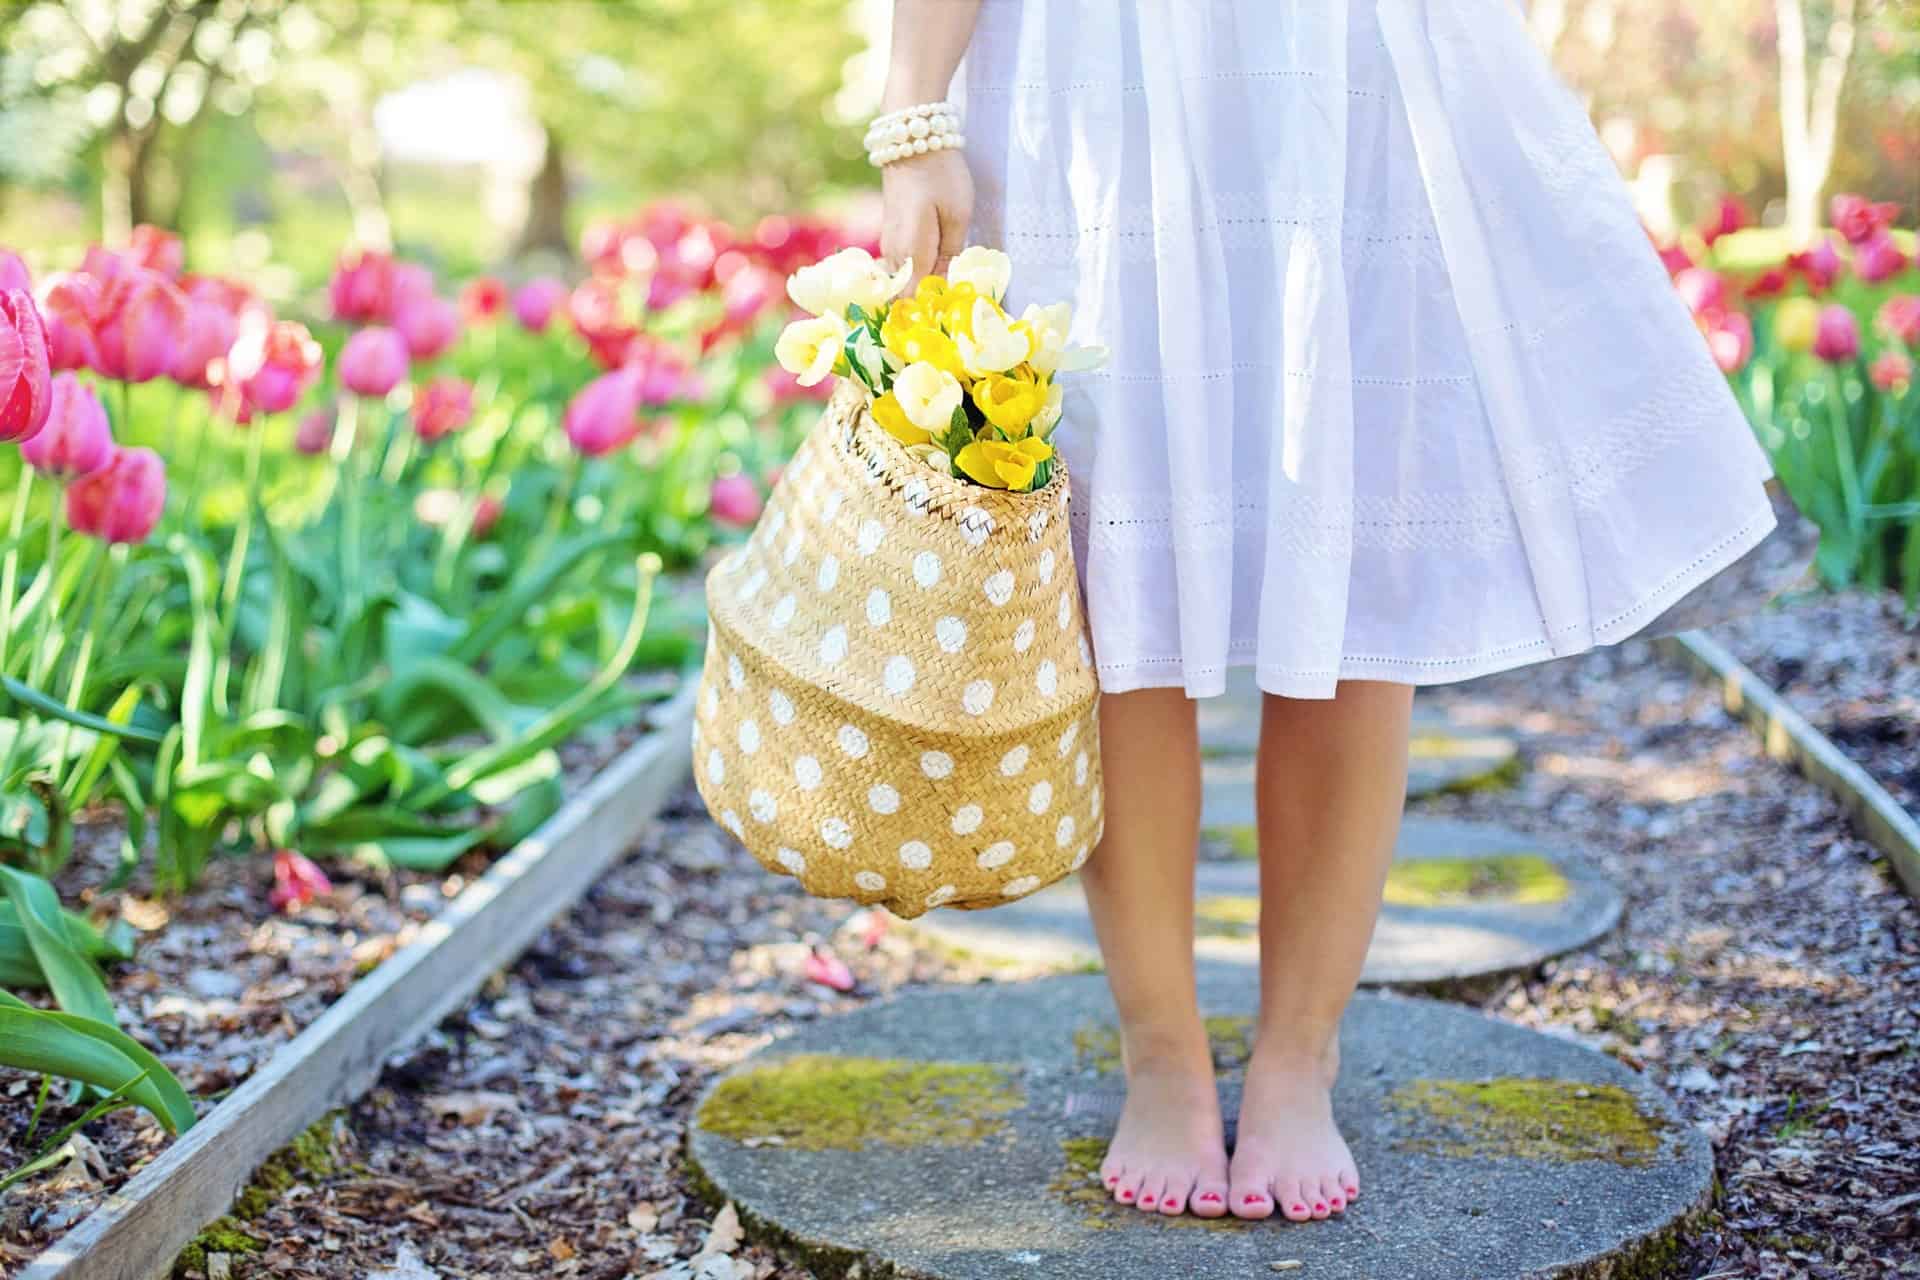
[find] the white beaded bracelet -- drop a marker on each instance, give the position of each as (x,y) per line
(916,131)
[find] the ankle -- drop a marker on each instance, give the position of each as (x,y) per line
(1285,1050)
(1166,1050)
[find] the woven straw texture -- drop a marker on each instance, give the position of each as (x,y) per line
(899,704)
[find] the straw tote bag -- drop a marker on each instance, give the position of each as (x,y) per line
(898,704)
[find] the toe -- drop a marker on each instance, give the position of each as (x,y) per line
(1209,1199)
(1179,1192)
(1153,1190)
(1250,1199)
(1128,1187)
(1336,1200)
(1111,1171)
(1293,1199)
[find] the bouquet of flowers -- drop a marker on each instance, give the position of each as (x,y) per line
(968,389)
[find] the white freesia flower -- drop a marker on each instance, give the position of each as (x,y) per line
(1049,416)
(1052,352)
(928,395)
(996,346)
(987,270)
(933,456)
(807,349)
(848,278)
(871,355)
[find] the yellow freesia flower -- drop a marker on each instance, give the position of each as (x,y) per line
(890,414)
(956,309)
(1009,403)
(991,344)
(999,465)
(926,345)
(931,289)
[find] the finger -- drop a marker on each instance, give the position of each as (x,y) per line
(924,242)
(953,238)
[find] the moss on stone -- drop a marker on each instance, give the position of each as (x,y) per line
(1457,881)
(1500,764)
(1077,1185)
(1527,1119)
(818,1101)
(310,1157)
(1097,1048)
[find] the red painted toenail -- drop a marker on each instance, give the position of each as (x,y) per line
(1146,1199)
(1319,1206)
(1112,1178)
(1299,1208)
(1210,1198)
(1252,1199)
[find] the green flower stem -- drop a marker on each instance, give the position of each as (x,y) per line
(1843,452)
(38,660)
(352,583)
(96,590)
(10,572)
(190,511)
(237,568)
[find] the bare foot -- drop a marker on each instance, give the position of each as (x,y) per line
(1168,1154)
(1288,1156)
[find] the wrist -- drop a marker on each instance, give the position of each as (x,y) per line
(906,90)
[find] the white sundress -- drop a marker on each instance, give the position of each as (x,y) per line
(1399,389)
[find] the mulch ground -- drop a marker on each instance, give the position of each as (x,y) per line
(1765,975)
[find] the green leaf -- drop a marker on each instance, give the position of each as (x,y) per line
(29,696)
(529,588)
(72,978)
(77,1048)
(80,786)
(421,697)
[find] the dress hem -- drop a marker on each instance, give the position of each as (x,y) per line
(1170,673)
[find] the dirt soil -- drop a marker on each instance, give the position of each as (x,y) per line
(1764,975)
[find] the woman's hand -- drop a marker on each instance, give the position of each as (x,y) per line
(928,202)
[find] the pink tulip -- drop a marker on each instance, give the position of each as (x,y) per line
(785,388)
(1770,283)
(373,362)
(13,273)
(76,439)
(26,391)
(483,299)
(315,433)
(1892,372)
(1674,258)
(597,309)
(1836,339)
(361,289)
(430,325)
(67,305)
(442,407)
(120,501)
(1820,265)
(156,249)
(605,415)
(1703,291)
(533,305)
(296,881)
(1879,259)
(1899,319)
(734,501)
(1858,219)
(211,329)
(828,970)
(1729,216)
(136,319)
(1730,339)
(273,364)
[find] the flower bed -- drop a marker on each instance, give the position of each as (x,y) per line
(371,596)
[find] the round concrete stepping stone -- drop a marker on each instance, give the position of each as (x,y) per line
(1464,901)
(955,1134)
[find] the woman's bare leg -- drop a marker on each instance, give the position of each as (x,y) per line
(1168,1153)
(1331,782)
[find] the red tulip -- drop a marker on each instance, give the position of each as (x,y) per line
(1729,216)
(442,407)
(734,501)
(373,362)
(26,390)
(1730,338)
(1673,257)
(296,881)
(429,325)
(605,415)
(76,439)
(315,432)
(1899,319)
(1879,259)
(486,514)
(828,970)
(600,318)
(138,319)
(1837,337)
(1892,372)
(533,305)
(13,273)
(1820,265)
(156,249)
(273,363)
(1770,283)
(120,501)
(436,508)
(361,289)
(1858,219)
(484,298)
(1702,290)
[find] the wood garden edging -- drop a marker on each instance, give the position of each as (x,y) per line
(1787,736)
(141,1228)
